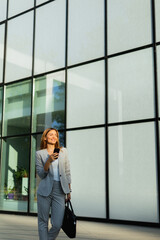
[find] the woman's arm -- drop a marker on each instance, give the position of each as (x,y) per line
(42,173)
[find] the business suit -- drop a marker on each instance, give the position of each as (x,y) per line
(51,193)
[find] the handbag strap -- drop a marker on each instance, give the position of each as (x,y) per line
(69,203)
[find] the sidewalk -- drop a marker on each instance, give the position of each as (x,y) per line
(13,227)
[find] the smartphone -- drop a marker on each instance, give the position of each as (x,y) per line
(56,150)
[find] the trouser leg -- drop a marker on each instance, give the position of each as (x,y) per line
(57,210)
(44,204)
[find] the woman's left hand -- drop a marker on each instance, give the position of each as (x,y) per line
(68,197)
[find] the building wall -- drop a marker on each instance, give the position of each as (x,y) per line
(89,68)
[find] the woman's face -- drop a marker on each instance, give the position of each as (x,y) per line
(51,137)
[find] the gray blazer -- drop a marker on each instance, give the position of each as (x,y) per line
(46,183)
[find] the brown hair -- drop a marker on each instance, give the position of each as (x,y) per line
(43,141)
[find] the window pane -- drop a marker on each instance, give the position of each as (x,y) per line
(14,174)
(3,7)
(17,108)
(1,102)
(133,173)
(49,102)
(157,9)
(50,37)
(34,177)
(131,86)
(129,24)
(1,50)
(88,162)
(86,34)
(85,95)
(19,47)
(18,6)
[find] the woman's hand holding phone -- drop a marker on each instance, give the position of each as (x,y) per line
(54,155)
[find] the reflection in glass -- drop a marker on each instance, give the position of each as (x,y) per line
(17,108)
(19,47)
(34,177)
(50,37)
(131,86)
(129,24)
(18,6)
(1,102)
(3,8)
(86,30)
(1,50)
(86,151)
(14,174)
(133,173)
(49,102)
(85,95)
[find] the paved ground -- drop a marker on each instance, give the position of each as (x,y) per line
(13,227)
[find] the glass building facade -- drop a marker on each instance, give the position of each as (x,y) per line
(89,68)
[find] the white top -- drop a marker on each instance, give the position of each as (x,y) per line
(55,170)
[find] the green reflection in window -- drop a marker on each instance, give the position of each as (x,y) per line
(49,102)
(1,102)
(17,108)
(14,174)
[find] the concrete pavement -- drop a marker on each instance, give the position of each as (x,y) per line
(13,227)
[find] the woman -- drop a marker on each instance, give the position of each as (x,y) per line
(55,185)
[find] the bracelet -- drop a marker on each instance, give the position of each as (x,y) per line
(70,190)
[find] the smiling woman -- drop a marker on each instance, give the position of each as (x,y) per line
(54,170)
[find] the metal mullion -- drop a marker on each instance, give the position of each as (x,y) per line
(106,114)
(131,122)
(156,99)
(42,4)
(49,72)
(86,62)
(130,51)
(17,81)
(4,65)
(31,113)
(66,69)
(20,14)
(86,127)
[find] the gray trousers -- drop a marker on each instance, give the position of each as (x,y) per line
(56,202)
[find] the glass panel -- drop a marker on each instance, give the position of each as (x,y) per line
(88,162)
(1,102)
(50,37)
(157,9)
(14,174)
(49,102)
(133,173)
(3,7)
(1,51)
(34,177)
(17,108)
(86,34)
(17,6)
(85,95)
(131,86)
(19,47)
(129,24)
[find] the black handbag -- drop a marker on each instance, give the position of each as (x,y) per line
(69,221)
